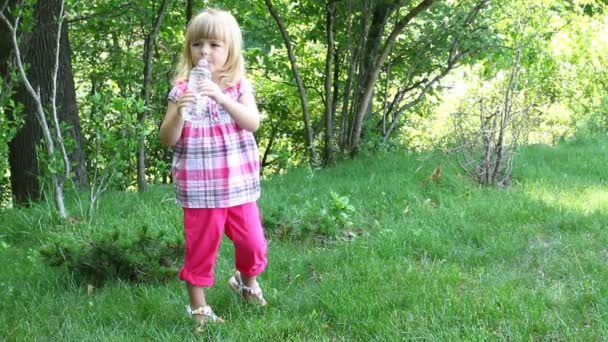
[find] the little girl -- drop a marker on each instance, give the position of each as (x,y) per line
(216,163)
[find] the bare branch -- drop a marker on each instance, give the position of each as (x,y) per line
(17,52)
(64,154)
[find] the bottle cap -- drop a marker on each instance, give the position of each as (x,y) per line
(202,62)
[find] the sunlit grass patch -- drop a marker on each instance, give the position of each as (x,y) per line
(585,200)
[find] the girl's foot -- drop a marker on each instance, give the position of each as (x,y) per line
(251,295)
(203,315)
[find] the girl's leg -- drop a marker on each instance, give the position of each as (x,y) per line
(251,282)
(244,228)
(198,308)
(197,296)
(203,231)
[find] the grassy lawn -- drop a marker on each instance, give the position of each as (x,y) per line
(412,260)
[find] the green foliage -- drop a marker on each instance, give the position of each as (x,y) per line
(279,126)
(562,75)
(25,11)
(375,142)
(8,129)
(583,80)
(112,131)
(146,257)
(340,211)
(108,68)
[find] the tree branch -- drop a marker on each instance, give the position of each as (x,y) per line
(60,142)
(423,92)
(116,12)
(300,84)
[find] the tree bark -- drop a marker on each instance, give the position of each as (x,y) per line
(188,11)
(38,52)
(329,103)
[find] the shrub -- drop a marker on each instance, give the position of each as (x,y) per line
(314,218)
(144,258)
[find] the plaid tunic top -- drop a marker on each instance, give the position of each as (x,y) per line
(216,163)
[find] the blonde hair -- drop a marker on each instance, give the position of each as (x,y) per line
(218,25)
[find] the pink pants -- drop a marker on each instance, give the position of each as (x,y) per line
(203,231)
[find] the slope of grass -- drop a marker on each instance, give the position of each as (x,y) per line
(414,259)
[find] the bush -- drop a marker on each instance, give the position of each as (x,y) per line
(144,258)
(315,218)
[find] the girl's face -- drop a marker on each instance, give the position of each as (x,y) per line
(214,51)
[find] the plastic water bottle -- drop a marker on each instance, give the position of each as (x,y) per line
(200,108)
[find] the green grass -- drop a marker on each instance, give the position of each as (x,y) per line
(446,260)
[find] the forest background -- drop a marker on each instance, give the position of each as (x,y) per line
(333,79)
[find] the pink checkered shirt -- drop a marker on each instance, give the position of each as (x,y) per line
(216,164)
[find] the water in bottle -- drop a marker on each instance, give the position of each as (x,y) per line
(200,107)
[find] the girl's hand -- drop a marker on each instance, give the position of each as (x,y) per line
(185,100)
(212,90)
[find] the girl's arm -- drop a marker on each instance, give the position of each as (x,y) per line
(171,128)
(244,111)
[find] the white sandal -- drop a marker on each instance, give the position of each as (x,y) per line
(247,294)
(205,314)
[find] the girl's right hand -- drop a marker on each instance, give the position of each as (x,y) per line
(184,101)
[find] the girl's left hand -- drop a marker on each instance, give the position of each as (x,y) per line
(211,89)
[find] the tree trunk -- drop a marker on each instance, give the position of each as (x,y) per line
(38,52)
(188,11)
(372,75)
(329,103)
(352,54)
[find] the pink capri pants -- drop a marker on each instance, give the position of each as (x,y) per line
(203,231)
